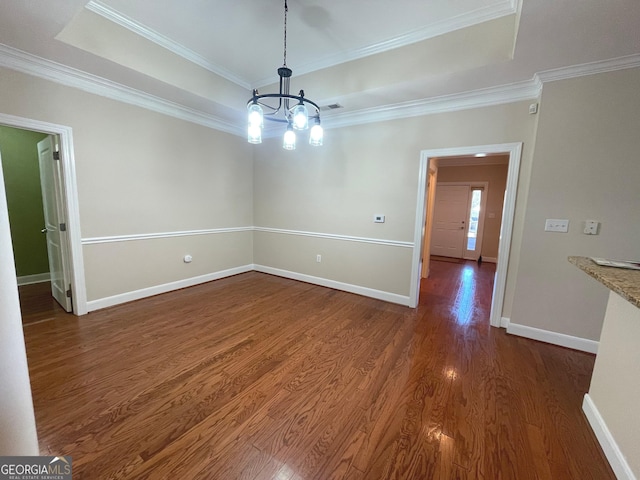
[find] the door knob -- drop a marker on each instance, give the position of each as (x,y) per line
(44,230)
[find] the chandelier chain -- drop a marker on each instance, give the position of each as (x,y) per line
(286,9)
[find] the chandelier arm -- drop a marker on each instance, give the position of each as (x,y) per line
(281,96)
(273,110)
(257,98)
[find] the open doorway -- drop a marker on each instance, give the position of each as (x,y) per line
(424,218)
(28,179)
(68,222)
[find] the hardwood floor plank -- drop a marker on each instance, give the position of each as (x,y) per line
(340,464)
(259,377)
(539,451)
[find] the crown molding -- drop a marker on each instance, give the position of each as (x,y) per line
(485,97)
(37,66)
(121,19)
(468,19)
(526,90)
(592,68)
(515,92)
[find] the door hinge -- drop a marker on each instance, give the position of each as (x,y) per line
(56,155)
(63,227)
(69,292)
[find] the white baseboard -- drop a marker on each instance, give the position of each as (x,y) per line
(609,446)
(100,303)
(37,278)
(347,287)
(490,259)
(167,287)
(504,322)
(555,338)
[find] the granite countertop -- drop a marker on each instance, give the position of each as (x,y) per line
(623,281)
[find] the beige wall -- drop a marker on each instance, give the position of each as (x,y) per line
(368,169)
(585,167)
(496,176)
(379,267)
(139,258)
(141,172)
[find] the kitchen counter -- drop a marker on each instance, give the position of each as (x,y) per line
(623,281)
(611,406)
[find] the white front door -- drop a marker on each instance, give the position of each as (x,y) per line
(54,218)
(449,220)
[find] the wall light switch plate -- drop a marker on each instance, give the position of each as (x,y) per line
(556,225)
(378,218)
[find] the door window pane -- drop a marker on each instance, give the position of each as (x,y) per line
(474,214)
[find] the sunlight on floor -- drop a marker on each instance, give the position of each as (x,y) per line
(462,308)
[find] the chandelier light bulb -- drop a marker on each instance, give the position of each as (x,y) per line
(289,142)
(316,135)
(256,117)
(254,134)
(300,117)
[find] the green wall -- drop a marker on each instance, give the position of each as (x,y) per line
(24,199)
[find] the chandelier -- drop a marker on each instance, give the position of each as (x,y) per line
(285,108)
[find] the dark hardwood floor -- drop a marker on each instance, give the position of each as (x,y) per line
(37,304)
(260,377)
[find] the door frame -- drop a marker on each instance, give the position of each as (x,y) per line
(70,192)
(514,150)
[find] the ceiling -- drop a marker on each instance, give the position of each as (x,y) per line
(200,59)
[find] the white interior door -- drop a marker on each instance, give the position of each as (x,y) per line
(55,228)
(449,220)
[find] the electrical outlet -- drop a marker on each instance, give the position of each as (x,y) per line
(591,227)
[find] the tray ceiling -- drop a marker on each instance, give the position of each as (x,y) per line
(207,56)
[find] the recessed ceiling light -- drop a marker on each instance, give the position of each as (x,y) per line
(480,155)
